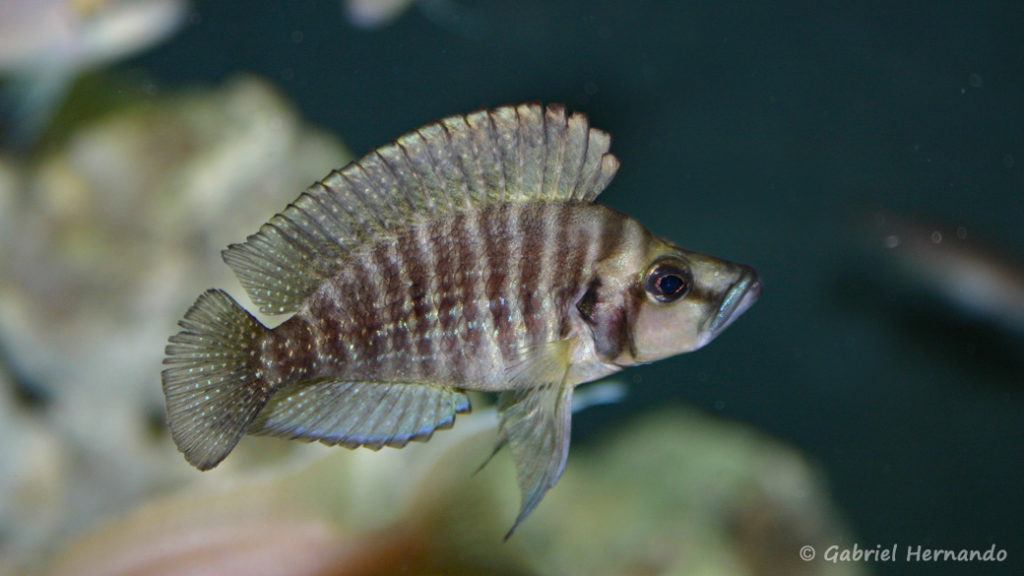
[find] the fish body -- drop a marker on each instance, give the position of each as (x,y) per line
(455,301)
(466,256)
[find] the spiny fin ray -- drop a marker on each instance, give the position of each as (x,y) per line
(524,153)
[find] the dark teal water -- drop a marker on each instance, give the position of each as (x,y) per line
(753,131)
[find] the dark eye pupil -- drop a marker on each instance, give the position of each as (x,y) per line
(670,284)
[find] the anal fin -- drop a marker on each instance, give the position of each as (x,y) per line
(354,414)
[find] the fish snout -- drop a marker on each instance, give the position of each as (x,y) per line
(737,299)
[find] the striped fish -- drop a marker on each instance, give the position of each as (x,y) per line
(468,255)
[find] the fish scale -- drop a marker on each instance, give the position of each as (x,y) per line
(435,323)
(467,255)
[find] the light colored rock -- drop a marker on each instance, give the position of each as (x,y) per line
(107,241)
(671,493)
(677,492)
(33,476)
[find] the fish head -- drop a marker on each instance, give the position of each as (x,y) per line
(682,300)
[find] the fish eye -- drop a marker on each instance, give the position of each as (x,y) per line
(668,280)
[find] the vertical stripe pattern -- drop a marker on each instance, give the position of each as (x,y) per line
(454,300)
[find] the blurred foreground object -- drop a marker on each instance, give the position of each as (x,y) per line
(672,493)
(100,240)
(45,44)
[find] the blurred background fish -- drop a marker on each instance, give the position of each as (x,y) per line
(446,14)
(374,13)
(46,44)
(942,289)
(972,276)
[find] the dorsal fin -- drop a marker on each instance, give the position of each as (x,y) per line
(524,153)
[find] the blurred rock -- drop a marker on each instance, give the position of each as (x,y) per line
(33,475)
(107,240)
(45,44)
(242,531)
(681,493)
(671,493)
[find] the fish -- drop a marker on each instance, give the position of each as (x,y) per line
(46,44)
(975,277)
(374,13)
(467,255)
(446,14)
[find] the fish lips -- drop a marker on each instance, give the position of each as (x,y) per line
(740,296)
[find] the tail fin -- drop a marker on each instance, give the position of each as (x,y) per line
(210,384)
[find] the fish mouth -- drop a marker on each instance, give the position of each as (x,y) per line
(740,296)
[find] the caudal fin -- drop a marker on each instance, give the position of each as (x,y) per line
(212,391)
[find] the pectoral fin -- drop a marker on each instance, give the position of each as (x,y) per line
(536,422)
